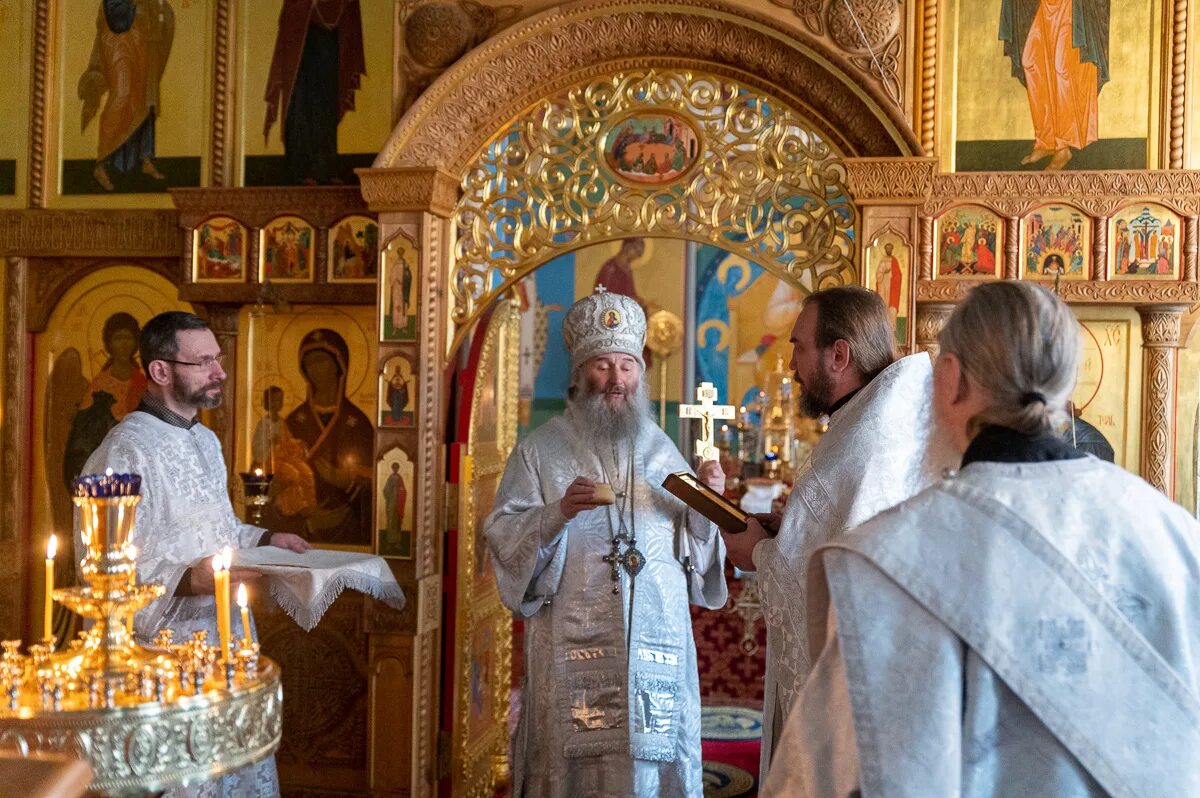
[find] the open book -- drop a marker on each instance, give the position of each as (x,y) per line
(706,501)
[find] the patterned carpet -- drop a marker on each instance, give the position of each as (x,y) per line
(731,738)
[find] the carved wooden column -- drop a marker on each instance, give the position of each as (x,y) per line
(14,443)
(1012,248)
(1160,344)
(1190,247)
(404,663)
(931,318)
(1099,248)
(925,229)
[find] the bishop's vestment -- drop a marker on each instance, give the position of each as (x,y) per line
(610,704)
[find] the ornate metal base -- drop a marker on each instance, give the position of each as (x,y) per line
(148,748)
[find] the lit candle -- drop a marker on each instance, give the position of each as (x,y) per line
(258,472)
(51,550)
(221,564)
(244,602)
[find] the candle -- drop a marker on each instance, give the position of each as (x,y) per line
(244,602)
(51,550)
(221,563)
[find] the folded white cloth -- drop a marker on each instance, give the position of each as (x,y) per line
(305,585)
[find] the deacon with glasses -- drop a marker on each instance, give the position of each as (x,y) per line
(184,516)
(602,563)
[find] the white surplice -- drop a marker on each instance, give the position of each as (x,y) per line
(1026,629)
(184,515)
(876,453)
(610,703)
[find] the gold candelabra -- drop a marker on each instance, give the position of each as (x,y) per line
(144,717)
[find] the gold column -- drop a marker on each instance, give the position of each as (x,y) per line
(931,318)
(223,321)
(1161,326)
(405,662)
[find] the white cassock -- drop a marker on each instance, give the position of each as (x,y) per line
(610,704)
(1023,629)
(184,515)
(876,453)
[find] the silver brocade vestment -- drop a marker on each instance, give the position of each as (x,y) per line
(876,453)
(183,516)
(1025,629)
(611,698)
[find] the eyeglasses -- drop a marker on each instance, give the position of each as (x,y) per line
(206,363)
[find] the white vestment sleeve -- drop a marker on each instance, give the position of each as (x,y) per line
(708,560)
(903,671)
(156,561)
(526,537)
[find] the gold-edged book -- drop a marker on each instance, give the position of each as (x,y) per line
(706,501)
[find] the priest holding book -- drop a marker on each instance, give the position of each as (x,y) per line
(602,563)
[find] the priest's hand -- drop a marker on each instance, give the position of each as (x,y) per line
(286,540)
(770,522)
(740,545)
(579,497)
(712,475)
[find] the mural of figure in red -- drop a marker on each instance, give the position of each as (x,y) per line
(888,282)
(395,496)
(317,67)
(1059,52)
(129,54)
(115,391)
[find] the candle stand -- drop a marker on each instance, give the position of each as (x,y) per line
(145,718)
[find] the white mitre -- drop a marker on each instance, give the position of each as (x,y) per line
(604,323)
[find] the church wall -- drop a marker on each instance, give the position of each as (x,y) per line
(15,39)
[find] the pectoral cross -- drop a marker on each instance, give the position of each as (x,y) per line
(707,410)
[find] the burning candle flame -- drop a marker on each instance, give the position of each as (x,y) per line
(242,598)
(52,547)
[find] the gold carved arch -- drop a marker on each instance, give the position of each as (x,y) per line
(556,48)
(754,178)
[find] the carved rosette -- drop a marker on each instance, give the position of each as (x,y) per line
(1161,328)
(868,31)
(931,318)
(770,189)
(153,746)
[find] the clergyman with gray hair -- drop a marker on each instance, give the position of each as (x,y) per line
(876,453)
(601,562)
(1029,625)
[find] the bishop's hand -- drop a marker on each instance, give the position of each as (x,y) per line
(580,496)
(712,475)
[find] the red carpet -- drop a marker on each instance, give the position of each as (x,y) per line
(730,746)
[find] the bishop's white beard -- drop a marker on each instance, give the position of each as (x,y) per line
(602,424)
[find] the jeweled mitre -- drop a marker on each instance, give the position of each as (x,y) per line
(603,323)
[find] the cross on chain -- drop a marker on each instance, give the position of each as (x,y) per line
(631,560)
(707,410)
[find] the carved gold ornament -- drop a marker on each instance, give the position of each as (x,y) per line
(714,161)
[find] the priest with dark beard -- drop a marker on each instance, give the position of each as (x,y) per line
(602,564)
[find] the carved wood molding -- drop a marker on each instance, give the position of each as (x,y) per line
(1091,292)
(1178,88)
(1095,193)
(529,60)
(48,279)
(410,189)
(893,181)
(39,104)
(1161,326)
(89,233)
(319,206)
(929,69)
(221,170)
(931,318)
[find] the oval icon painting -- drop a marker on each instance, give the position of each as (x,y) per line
(651,147)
